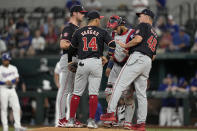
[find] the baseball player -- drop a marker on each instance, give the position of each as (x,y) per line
(9,77)
(67,77)
(122,33)
(89,41)
(136,69)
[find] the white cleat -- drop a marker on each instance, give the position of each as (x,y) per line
(91,124)
(70,123)
(21,129)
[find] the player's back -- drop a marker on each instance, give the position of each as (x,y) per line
(150,39)
(90,41)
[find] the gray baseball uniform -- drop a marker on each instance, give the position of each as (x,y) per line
(119,59)
(137,70)
(66,77)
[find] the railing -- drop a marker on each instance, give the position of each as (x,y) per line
(150,94)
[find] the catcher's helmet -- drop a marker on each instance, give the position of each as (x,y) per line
(6,56)
(115,21)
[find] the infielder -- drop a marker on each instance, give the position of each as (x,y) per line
(122,33)
(136,69)
(9,77)
(89,41)
(67,77)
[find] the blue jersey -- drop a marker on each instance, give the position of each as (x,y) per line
(167,102)
(194,82)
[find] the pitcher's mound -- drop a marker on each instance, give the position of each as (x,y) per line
(74,129)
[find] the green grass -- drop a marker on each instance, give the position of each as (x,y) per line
(168,129)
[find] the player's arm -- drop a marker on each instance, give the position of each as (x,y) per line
(154,56)
(64,44)
(109,66)
(65,38)
(110,43)
(135,41)
(73,47)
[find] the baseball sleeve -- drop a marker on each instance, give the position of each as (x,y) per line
(66,34)
(141,30)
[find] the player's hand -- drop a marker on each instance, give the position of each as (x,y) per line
(123,45)
(107,72)
(126,52)
(9,83)
(72,66)
(64,44)
(104,60)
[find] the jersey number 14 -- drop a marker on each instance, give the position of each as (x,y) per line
(92,44)
(152,42)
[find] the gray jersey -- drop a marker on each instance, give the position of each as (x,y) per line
(120,55)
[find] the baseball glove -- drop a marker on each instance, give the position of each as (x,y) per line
(72,66)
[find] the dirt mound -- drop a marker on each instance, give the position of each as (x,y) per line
(74,129)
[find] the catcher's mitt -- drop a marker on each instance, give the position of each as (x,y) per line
(72,66)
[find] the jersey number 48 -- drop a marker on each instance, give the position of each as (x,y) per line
(152,42)
(92,44)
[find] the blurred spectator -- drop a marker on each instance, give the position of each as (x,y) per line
(71,3)
(3,46)
(38,42)
(138,6)
(24,44)
(161,8)
(168,104)
(51,41)
(194,47)
(194,83)
(12,45)
(171,25)
(21,25)
(11,26)
(193,89)
(181,41)
(165,42)
(182,86)
(160,26)
(44,29)
(93,5)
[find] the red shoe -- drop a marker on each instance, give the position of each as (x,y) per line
(138,127)
(62,122)
(108,117)
(78,124)
(127,125)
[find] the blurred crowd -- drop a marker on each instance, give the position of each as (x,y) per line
(37,32)
(171,113)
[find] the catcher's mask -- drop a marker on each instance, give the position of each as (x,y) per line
(115,21)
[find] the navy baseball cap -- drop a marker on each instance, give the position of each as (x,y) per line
(6,56)
(77,8)
(146,12)
(94,15)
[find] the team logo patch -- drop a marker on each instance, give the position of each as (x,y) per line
(65,34)
(137,31)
